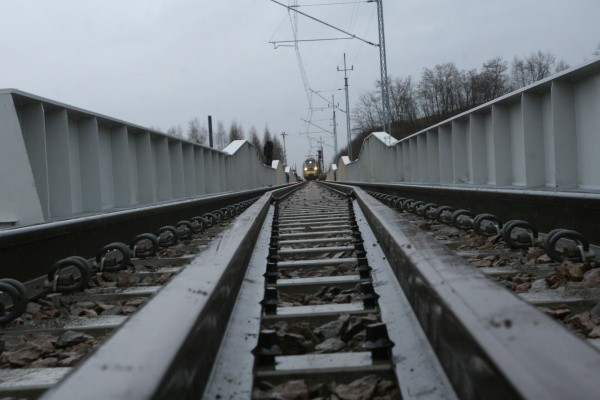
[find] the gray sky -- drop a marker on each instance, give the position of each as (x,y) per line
(161,63)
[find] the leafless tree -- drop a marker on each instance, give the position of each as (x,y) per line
(440,90)
(236,131)
(403,101)
(536,66)
(255,141)
(176,131)
(277,149)
(220,136)
(196,132)
(561,65)
(367,113)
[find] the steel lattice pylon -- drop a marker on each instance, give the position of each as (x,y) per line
(385,98)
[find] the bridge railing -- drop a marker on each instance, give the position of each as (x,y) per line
(59,161)
(545,135)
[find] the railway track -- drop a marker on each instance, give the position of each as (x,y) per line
(558,272)
(72,311)
(326,292)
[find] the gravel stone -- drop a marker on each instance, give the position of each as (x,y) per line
(360,389)
(33,308)
(22,357)
(291,390)
(595,311)
(331,329)
(292,344)
(71,338)
(85,304)
(330,346)
(49,362)
(574,272)
(538,285)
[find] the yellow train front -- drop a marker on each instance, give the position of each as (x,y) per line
(310,169)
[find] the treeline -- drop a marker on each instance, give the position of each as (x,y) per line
(198,132)
(444,91)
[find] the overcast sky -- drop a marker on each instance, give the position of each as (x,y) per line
(161,63)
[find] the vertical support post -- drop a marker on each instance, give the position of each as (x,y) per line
(146,173)
(445,153)
(460,151)
(224,185)
(399,166)
(587,115)
(189,170)
(209,172)
(34,135)
(162,164)
(133,167)
(19,201)
(532,145)
(107,185)
(433,154)
(422,158)
(200,168)
(121,161)
(476,151)
(564,133)
(499,148)
(414,159)
(177,177)
(59,169)
(210,132)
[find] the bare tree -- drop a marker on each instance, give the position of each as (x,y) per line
(277,149)
(536,66)
(561,65)
(176,131)
(196,132)
(439,90)
(255,141)
(494,80)
(367,113)
(220,136)
(403,102)
(267,137)
(236,132)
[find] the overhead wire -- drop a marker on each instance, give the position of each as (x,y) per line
(309,92)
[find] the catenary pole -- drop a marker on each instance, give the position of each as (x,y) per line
(349,136)
(385,98)
(283,134)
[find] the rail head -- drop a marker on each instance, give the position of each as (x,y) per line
(487,339)
(181,328)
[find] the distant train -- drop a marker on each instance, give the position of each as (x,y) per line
(310,169)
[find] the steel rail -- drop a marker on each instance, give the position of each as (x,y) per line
(167,349)
(491,343)
(545,210)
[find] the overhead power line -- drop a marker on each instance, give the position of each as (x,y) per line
(333,4)
(291,8)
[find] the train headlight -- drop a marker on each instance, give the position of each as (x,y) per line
(306,169)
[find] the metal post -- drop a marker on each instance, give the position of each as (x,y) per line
(349,136)
(210,135)
(283,134)
(335,144)
(385,99)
